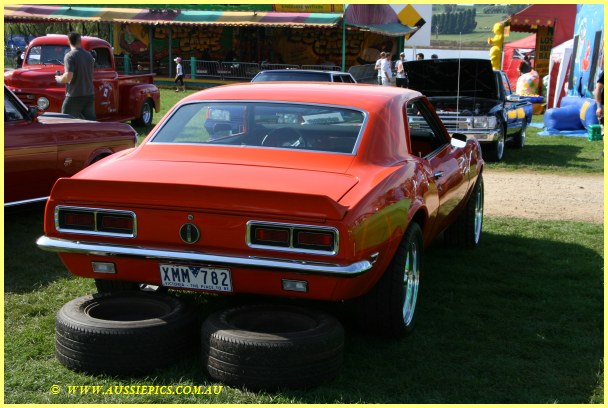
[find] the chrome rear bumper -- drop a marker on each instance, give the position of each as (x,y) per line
(91,248)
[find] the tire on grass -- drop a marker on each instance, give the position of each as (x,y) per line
(389,308)
(466,229)
(146,115)
(272,346)
(126,333)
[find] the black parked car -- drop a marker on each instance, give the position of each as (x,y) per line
(303,75)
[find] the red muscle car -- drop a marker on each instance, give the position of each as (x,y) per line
(40,149)
(327,192)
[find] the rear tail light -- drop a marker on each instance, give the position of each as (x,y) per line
(95,221)
(78,220)
(270,236)
(307,239)
(294,238)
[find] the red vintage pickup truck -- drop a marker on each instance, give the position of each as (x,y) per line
(118,98)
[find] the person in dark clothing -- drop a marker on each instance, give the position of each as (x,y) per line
(19,58)
(524,66)
(78,76)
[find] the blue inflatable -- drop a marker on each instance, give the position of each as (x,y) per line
(565,118)
(575,113)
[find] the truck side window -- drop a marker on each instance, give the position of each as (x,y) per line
(506,84)
(102,57)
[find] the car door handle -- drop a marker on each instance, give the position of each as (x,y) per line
(438,174)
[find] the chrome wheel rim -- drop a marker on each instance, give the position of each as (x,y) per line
(523,136)
(500,147)
(478,212)
(411,279)
(146,113)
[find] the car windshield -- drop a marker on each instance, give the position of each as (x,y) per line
(264,125)
(46,54)
(292,76)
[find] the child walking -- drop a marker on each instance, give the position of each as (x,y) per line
(179,75)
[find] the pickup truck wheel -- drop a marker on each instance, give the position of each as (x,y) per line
(494,152)
(146,115)
(519,140)
(123,333)
(465,231)
(272,346)
(389,308)
(111,285)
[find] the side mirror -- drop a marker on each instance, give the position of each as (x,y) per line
(458,140)
(33,111)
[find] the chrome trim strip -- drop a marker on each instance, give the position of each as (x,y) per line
(30,201)
(290,265)
(291,248)
(95,211)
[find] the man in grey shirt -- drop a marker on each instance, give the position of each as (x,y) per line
(78,76)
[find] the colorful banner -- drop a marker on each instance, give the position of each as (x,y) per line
(544,44)
(588,58)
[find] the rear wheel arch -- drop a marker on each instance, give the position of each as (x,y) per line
(98,155)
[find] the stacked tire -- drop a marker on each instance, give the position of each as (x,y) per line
(124,333)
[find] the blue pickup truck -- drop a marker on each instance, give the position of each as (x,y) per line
(472,98)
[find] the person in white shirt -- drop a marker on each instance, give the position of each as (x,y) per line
(401,78)
(387,73)
(378,67)
(179,75)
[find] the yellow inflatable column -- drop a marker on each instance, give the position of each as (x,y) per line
(496,43)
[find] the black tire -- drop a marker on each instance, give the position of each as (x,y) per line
(519,140)
(389,309)
(495,151)
(466,230)
(123,333)
(146,115)
(112,285)
(272,346)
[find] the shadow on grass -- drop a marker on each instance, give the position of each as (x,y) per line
(517,321)
(26,267)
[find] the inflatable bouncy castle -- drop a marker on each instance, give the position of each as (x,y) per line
(575,113)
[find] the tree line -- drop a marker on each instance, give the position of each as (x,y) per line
(507,9)
(455,21)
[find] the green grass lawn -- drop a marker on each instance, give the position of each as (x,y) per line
(553,154)
(519,320)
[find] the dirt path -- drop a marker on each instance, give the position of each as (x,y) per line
(544,196)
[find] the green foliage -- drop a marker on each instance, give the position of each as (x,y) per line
(455,21)
(93,29)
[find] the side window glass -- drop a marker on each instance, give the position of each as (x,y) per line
(424,134)
(11,112)
(102,58)
(506,84)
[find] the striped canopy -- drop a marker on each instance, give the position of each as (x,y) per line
(42,14)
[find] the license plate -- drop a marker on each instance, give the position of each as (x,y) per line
(196,277)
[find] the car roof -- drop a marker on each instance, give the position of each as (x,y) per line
(305,71)
(61,39)
(370,98)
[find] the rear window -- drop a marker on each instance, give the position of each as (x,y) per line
(264,125)
(292,76)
